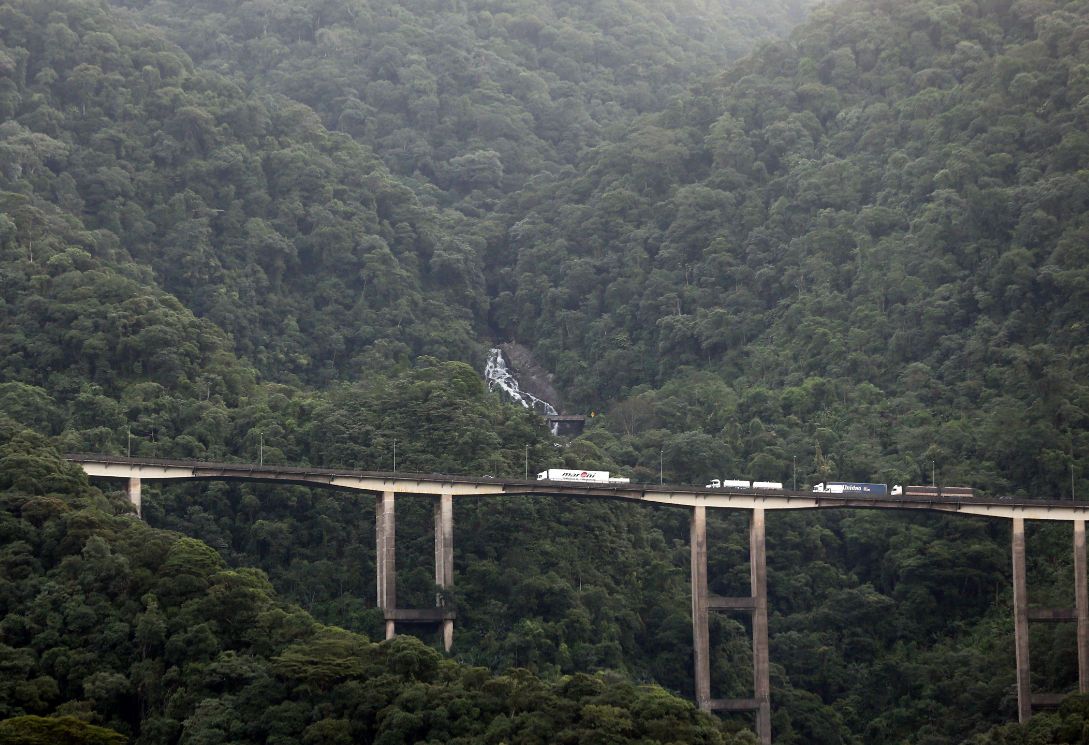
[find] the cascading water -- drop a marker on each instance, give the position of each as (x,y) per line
(497,374)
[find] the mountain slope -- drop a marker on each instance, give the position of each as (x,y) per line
(474,96)
(841,250)
(108,621)
(872,235)
(292,239)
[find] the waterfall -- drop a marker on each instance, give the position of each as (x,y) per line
(497,374)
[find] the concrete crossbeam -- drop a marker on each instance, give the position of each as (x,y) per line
(1047,700)
(419,615)
(735,704)
(1052,615)
(717,603)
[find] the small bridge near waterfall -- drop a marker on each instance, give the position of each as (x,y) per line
(386,486)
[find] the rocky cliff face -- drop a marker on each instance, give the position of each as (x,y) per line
(513,368)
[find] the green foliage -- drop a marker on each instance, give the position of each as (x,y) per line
(881,624)
(26,465)
(143,631)
(118,156)
(867,236)
(326,659)
(860,251)
(35,730)
(1068,725)
(442,419)
(470,101)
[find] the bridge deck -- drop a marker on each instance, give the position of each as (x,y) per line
(106,466)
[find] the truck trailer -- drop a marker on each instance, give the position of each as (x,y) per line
(575,475)
(846,487)
(730,484)
(933,491)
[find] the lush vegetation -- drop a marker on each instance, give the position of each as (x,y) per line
(1068,725)
(860,250)
(471,99)
(134,633)
(863,247)
(884,628)
(291,239)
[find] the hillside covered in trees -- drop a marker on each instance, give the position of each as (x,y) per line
(471,99)
(231,225)
(131,632)
(863,247)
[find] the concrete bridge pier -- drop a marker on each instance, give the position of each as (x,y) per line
(757,605)
(1022,615)
(700,636)
(1081,596)
(444,559)
(1020,622)
(134,493)
(760,656)
(385,536)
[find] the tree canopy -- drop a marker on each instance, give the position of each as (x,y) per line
(128,633)
(294,229)
(858,247)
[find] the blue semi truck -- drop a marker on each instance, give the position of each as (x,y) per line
(845,487)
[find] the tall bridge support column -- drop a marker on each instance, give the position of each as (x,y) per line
(1023,616)
(756,604)
(444,558)
(1081,596)
(700,636)
(134,493)
(760,656)
(385,534)
(1020,622)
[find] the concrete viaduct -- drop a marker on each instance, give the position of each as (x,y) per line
(444,489)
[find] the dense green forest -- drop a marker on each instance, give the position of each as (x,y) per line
(471,99)
(130,632)
(233,226)
(863,247)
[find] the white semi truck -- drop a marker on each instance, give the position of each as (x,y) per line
(574,474)
(731,484)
